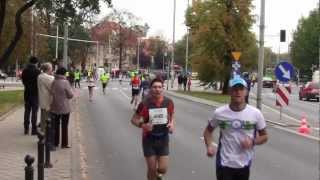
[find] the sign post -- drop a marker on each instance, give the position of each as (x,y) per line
(284,71)
(235,64)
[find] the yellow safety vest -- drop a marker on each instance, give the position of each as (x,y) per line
(104,78)
(77,75)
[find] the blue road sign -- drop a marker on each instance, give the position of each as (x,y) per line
(284,71)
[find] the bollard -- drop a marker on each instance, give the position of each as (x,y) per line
(40,156)
(28,169)
(49,145)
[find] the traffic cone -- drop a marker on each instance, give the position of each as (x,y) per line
(304,128)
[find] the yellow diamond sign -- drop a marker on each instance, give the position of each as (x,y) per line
(236,55)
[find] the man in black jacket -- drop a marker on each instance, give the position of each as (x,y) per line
(29,79)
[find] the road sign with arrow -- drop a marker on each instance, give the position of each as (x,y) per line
(284,71)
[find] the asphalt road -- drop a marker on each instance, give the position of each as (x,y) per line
(113,145)
(296,109)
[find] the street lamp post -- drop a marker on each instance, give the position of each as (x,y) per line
(173,42)
(261,55)
(65,46)
(187,46)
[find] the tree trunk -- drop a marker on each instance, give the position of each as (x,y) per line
(19,31)
(225,86)
(3,4)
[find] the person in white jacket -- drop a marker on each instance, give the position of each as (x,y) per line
(45,80)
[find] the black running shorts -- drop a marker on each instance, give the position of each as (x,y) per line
(104,85)
(135,92)
(155,146)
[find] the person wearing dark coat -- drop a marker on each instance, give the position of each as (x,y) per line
(29,79)
(185,81)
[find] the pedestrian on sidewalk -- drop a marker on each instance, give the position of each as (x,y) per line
(29,79)
(180,81)
(238,123)
(60,107)
(45,80)
(155,116)
(189,84)
(185,81)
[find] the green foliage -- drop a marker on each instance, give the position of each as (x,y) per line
(215,97)
(10,99)
(305,44)
(63,10)
(180,51)
(219,27)
(22,50)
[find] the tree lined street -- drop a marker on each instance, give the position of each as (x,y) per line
(114,145)
(92,89)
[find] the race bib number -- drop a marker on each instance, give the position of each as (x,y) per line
(158,116)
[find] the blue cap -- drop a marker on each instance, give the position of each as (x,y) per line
(237,81)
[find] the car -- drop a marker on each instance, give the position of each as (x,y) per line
(309,91)
(3,75)
(268,82)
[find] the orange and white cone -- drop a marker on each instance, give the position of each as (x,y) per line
(304,128)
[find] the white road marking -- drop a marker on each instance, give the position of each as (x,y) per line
(294,132)
(287,116)
(124,94)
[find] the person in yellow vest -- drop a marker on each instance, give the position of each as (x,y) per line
(104,78)
(77,78)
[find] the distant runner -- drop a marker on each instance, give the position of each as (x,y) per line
(135,84)
(104,78)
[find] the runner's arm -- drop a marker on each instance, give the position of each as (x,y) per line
(261,138)
(136,120)
(207,135)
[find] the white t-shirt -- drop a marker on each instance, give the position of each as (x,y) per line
(235,126)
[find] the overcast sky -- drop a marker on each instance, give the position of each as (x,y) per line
(280,14)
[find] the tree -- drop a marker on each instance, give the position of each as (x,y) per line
(180,51)
(219,27)
(157,48)
(127,32)
(305,46)
(61,9)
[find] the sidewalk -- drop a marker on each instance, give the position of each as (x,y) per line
(15,146)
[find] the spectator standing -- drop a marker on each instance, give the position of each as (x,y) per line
(185,81)
(29,79)
(189,83)
(60,107)
(45,80)
(180,81)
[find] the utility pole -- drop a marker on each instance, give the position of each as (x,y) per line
(261,55)
(32,34)
(65,46)
(173,42)
(138,55)
(187,46)
(97,56)
(57,42)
